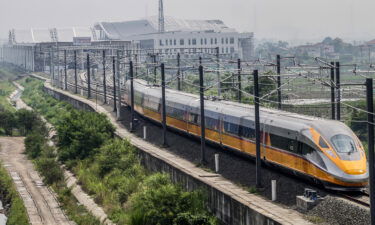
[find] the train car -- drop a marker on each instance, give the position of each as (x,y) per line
(326,151)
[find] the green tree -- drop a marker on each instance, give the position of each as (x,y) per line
(7,122)
(34,144)
(80,133)
(159,202)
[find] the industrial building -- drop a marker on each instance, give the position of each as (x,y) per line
(180,36)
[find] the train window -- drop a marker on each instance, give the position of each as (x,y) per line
(138,98)
(306,149)
(343,143)
(313,155)
(231,128)
(247,132)
(212,123)
(284,143)
(323,143)
(194,118)
(176,113)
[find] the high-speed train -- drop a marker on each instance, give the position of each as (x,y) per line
(326,151)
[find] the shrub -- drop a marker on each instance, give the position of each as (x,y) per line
(163,203)
(50,169)
(80,133)
(118,154)
(34,144)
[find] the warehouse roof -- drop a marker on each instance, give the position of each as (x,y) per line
(122,30)
(29,36)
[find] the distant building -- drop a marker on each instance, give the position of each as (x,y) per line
(32,48)
(180,36)
(316,50)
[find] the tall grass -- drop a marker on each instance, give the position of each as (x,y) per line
(17,213)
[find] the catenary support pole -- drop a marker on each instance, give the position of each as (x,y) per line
(257,130)
(178,72)
(333,105)
(114,84)
(202,116)
(131,96)
(118,86)
(278,71)
(338,97)
(155,67)
(370,133)
(239,80)
(104,79)
(218,71)
(65,73)
(164,113)
(75,72)
(88,77)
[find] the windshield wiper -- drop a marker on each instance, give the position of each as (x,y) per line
(351,150)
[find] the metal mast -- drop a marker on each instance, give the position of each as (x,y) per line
(161,17)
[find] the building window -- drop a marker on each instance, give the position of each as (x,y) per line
(194,41)
(170,41)
(161,42)
(215,41)
(212,41)
(189,42)
(174,42)
(222,40)
(182,42)
(201,41)
(231,50)
(232,40)
(226,50)
(166,42)
(222,50)
(226,40)
(205,41)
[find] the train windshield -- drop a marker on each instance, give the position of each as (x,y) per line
(344,143)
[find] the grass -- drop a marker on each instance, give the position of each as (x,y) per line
(6,88)
(17,212)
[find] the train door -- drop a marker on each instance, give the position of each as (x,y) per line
(264,140)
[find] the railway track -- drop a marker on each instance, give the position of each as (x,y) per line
(361,198)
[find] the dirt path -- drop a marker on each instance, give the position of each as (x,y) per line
(41,205)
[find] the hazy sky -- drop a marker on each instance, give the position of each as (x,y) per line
(271,19)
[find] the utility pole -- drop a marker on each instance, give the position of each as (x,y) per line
(338,112)
(333,105)
(131,96)
(88,77)
(178,72)
(164,113)
(239,80)
(278,68)
(203,125)
(114,84)
(218,71)
(104,79)
(65,72)
(257,130)
(370,133)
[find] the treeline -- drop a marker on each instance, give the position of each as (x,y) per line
(19,123)
(109,169)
